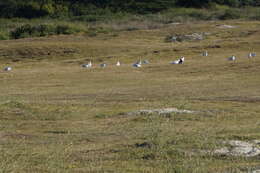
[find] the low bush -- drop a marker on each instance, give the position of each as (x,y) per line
(66,29)
(89,18)
(231,14)
(188,14)
(4,36)
(42,30)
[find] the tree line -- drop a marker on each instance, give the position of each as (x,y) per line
(58,8)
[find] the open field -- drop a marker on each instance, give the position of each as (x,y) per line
(58,117)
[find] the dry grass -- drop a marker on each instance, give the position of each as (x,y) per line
(57,117)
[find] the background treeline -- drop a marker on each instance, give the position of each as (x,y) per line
(69,8)
(39,18)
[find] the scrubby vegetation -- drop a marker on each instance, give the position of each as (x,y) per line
(49,17)
(33,18)
(42,30)
(94,24)
(56,8)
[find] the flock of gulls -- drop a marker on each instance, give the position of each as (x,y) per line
(139,63)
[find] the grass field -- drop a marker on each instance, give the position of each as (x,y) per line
(58,117)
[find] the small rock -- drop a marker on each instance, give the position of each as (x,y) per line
(225,26)
(256,142)
(174,23)
(239,148)
(256,171)
(221,151)
(188,37)
(160,111)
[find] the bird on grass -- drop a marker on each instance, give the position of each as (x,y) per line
(232,58)
(103,65)
(118,63)
(179,61)
(251,55)
(89,65)
(7,68)
(205,53)
(138,64)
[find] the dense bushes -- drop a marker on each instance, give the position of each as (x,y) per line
(42,30)
(231,14)
(110,15)
(68,8)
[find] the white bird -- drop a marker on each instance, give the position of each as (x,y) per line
(179,61)
(232,58)
(7,68)
(205,53)
(139,62)
(251,55)
(176,62)
(118,63)
(84,65)
(103,65)
(137,65)
(89,65)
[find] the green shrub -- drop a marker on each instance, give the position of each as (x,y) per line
(65,29)
(200,15)
(45,30)
(188,14)
(4,36)
(28,30)
(89,18)
(22,31)
(231,14)
(32,31)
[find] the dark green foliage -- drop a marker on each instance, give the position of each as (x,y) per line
(232,3)
(42,30)
(3,36)
(61,8)
(193,3)
(231,14)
